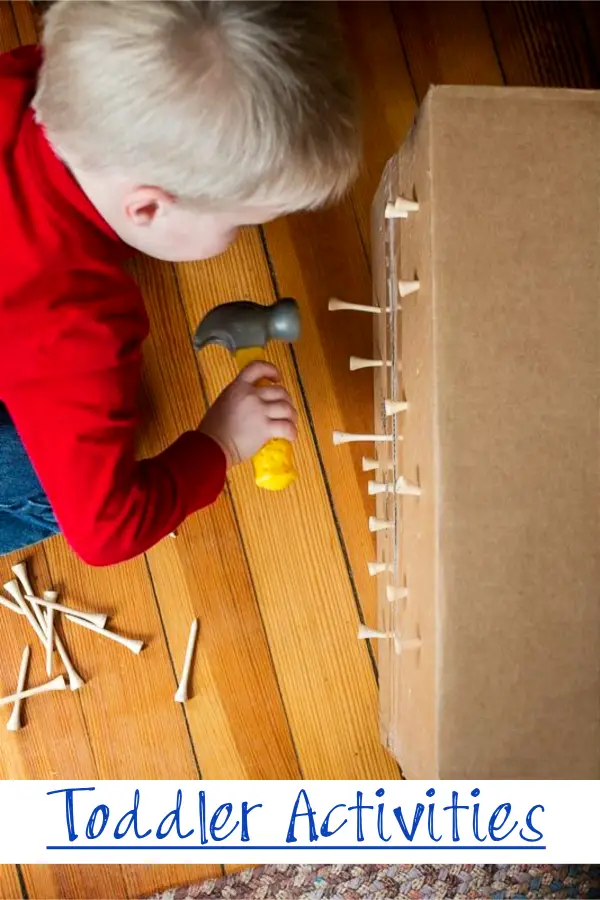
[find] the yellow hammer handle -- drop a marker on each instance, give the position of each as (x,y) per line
(274,467)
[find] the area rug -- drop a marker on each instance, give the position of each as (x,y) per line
(398,883)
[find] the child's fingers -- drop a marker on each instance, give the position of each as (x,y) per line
(257,370)
(283,428)
(271,393)
(281,409)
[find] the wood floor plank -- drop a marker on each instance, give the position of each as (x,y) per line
(543,43)
(101,882)
(27,21)
(446,43)
(10,889)
(236,717)
(9,36)
(74,882)
(386,93)
(297,566)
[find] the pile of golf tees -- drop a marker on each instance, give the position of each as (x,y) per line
(40,613)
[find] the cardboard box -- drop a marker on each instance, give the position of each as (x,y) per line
(500,364)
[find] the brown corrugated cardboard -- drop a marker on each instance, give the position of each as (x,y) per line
(500,365)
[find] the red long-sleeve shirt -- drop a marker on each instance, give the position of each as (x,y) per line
(72,324)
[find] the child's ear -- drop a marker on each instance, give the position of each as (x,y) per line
(145,204)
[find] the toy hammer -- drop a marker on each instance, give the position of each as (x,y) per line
(244,328)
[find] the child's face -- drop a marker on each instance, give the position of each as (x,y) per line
(165,229)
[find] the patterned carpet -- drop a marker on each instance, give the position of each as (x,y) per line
(398,883)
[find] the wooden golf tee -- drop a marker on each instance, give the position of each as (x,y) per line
(57,684)
(274,468)
(8,604)
(12,588)
(181,694)
(20,570)
(131,643)
(14,723)
(50,640)
(75,680)
(97,619)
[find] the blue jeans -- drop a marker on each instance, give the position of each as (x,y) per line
(26,516)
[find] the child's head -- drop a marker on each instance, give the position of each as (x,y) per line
(184,119)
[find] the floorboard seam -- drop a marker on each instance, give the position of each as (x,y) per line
(172,661)
(406,59)
(21,879)
(78,696)
(495,46)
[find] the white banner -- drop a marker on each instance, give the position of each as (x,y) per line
(299,822)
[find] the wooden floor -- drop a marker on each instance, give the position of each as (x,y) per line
(282,688)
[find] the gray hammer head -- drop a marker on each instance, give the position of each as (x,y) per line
(246,324)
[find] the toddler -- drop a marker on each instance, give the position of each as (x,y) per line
(162,127)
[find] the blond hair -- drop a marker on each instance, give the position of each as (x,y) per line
(216,101)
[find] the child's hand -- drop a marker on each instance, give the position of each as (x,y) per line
(244,417)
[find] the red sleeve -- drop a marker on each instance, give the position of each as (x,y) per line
(74,403)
